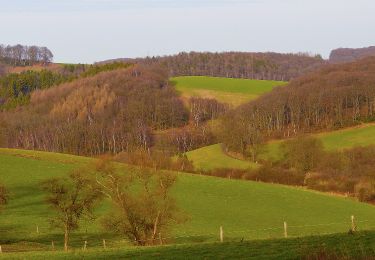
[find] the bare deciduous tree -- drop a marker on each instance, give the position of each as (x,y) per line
(72,199)
(144,209)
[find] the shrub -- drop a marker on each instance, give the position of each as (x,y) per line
(365,190)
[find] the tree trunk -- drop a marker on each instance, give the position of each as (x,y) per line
(66,239)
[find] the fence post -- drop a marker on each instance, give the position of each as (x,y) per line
(85,246)
(1,250)
(221,234)
(285,230)
(104,245)
(53,245)
(37,229)
(353,224)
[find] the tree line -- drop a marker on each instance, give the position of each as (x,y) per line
(343,55)
(256,65)
(22,55)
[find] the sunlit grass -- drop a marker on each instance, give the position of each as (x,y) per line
(227,90)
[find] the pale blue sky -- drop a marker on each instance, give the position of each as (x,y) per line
(92,30)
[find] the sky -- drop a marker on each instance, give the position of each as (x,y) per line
(86,31)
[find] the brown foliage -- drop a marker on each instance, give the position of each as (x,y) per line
(270,66)
(365,189)
(189,138)
(155,159)
(342,55)
(334,97)
(110,112)
(265,173)
(203,109)
(303,153)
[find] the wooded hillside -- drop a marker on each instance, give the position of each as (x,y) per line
(333,97)
(111,112)
(269,66)
(16,88)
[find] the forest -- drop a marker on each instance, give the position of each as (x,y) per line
(111,112)
(266,66)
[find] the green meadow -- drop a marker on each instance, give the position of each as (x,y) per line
(362,135)
(213,157)
(244,209)
(227,90)
(343,246)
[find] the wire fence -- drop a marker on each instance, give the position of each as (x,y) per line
(43,239)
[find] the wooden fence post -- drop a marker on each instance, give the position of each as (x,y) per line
(53,245)
(37,229)
(285,230)
(1,250)
(85,246)
(221,234)
(104,245)
(354,228)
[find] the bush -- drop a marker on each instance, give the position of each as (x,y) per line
(303,153)
(365,190)
(277,174)
(182,163)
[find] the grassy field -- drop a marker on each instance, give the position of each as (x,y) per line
(227,90)
(342,246)
(245,209)
(213,157)
(362,135)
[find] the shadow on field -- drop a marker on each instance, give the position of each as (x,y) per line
(10,238)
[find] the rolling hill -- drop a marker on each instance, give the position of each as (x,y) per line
(227,90)
(213,157)
(362,135)
(245,209)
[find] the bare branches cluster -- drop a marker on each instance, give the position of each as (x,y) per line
(270,66)
(21,55)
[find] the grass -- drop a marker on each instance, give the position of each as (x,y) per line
(342,246)
(245,209)
(213,157)
(362,135)
(227,90)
